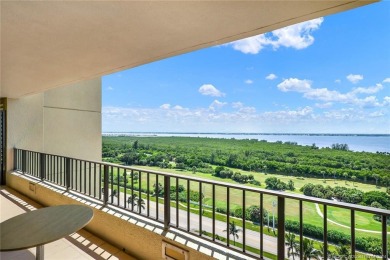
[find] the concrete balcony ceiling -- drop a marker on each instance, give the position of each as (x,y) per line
(48,44)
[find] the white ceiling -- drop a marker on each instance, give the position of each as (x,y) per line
(48,44)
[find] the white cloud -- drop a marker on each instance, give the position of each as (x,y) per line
(337,81)
(290,114)
(354,78)
(110,88)
(237,105)
(210,90)
(376,114)
(247,110)
(297,36)
(249,81)
(217,104)
(241,108)
(386,80)
(251,45)
(244,119)
(369,90)
(165,106)
(294,84)
(177,107)
(326,95)
(324,105)
(271,76)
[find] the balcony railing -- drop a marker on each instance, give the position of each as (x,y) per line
(159,196)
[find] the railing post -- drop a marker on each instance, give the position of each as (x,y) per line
(16,159)
(67,173)
(281,228)
(24,160)
(105,184)
(167,202)
(42,172)
(384,237)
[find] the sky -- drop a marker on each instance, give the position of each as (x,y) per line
(327,75)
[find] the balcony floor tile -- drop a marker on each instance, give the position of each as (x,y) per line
(80,245)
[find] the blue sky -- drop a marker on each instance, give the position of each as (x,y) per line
(328,75)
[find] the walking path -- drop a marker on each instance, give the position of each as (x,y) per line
(341,225)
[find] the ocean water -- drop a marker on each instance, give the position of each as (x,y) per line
(367,143)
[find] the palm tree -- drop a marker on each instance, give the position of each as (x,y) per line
(353,178)
(233,230)
(309,252)
(376,177)
(132,200)
(331,254)
(343,252)
(291,244)
(140,203)
(114,193)
(345,174)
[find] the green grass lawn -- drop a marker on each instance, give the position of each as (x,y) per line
(363,220)
(310,215)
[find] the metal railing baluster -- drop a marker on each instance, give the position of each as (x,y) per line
(139,191)
(148,193)
(213,194)
(228,216)
(132,190)
(125,188)
(325,232)
(261,227)
(300,229)
(188,205)
(177,202)
(384,237)
(167,202)
(281,228)
(243,221)
(200,208)
(353,249)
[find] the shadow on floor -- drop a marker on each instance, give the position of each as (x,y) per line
(79,245)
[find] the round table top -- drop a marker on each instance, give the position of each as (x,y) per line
(42,226)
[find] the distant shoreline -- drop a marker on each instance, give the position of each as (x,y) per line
(356,142)
(216,133)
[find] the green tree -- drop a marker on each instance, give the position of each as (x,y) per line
(158,190)
(291,244)
(114,194)
(345,174)
(233,231)
(135,176)
(309,251)
(353,178)
(131,200)
(376,177)
(343,252)
(140,203)
(323,176)
(290,185)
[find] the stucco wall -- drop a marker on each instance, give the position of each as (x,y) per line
(64,121)
(24,125)
(72,121)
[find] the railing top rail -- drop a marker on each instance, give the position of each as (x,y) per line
(246,188)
